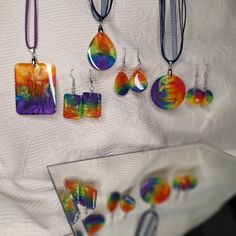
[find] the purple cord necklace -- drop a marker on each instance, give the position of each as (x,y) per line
(34,82)
(35,44)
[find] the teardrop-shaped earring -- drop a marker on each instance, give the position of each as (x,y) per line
(208,95)
(138,82)
(72,103)
(121,86)
(194,95)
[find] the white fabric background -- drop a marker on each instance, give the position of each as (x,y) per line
(28,203)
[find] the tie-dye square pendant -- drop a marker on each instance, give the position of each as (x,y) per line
(35,89)
(72,107)
(92,105)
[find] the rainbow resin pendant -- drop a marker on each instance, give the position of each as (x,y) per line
(168,92)
(35,88)
(155,191)
(101,52)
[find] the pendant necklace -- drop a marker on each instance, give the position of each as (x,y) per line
(168,91)
(34,82)
(101,51)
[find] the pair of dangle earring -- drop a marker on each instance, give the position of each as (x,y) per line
(87,105)
(137,83)
(197,96)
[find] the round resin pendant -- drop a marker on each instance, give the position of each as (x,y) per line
(194,96)
(155,191)
(121,84)
(168,92)
(138,82)
(101,52)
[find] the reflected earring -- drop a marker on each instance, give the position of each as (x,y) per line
(184,183)
(194,95)
(127,204)
(208,95)
(91,101)
(138,82)
(72,211)
(94,223)
(87,197)
(113,202)
(121,86)
(72,103)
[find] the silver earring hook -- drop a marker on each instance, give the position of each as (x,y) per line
(123,60)
(138,58)
(73,83)
(91,88)
(34,58)
(206,77)
(196,77)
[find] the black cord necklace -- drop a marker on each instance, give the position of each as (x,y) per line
(168,91)
(101,52)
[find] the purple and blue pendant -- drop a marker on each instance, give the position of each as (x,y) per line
(101,52)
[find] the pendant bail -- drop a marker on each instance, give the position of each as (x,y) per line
(34,58)
(73,83)
(169,72)
(91,88)
(100,28)
(138,59)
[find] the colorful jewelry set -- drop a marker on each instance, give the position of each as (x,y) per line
(35,83)
(137,83)
(88,105)
(77,195)
(79,200)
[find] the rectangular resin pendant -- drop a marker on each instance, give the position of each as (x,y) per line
(35,88)
(92,105)
(72,107)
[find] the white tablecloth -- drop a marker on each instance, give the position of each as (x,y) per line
(28,203)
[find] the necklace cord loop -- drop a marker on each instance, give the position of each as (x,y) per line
(106,6)
(35,44)
(182,12)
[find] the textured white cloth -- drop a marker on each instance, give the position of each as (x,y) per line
(28,203)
